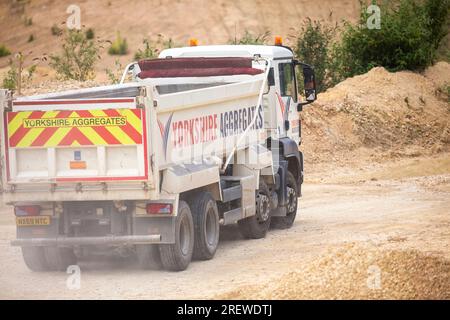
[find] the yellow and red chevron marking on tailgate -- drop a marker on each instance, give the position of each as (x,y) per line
(75,128)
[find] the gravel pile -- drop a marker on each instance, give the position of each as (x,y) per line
(389,113)
(359,272)
(50,86)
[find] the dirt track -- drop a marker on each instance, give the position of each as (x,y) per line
(401,214)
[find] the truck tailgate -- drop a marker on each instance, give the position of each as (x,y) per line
(75,140)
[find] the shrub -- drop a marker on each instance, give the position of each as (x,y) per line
(443,53)
(312,47)
(119,46)
(31,38)
(115,75)
(152,48)
(410,34)
(437,13)
(166,43)
(4,51)
(56,31)
(10,80)
(78,57)
(250,38)
(149,51)
(90,34)
(446,90)
(31,70)
(15,77)
(28,21)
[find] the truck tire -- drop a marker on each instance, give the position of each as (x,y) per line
(178,255)
(34,258)
(148,256)
(256,226)
(291,206)
(206,226)
(59,259)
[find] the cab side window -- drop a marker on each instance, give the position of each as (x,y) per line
(287,80)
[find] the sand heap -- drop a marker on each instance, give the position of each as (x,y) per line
(358,272)
(402,113)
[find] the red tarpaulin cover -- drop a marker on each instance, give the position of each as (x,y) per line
(196,67)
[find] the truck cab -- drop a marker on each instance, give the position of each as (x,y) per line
(281,99)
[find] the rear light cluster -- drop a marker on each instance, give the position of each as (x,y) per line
(159,208)
(27,210)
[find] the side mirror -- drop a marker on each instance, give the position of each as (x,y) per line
(271,78)
(309,85)
(270,81)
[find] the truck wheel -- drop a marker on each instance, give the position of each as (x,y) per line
(177,256)
(148,256)
(256,226)
(291,206)
(34,258)
(206,226)
(59,259)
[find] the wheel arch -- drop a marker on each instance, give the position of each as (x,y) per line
(289,150)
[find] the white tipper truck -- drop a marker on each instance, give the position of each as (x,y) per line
(201,137)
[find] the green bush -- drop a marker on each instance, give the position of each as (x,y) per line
(166,43)
(250,38)
(13,79)
(312,47)
(149,51)
(115,75)
(411,32)
(90,34)
(78,57)
(10,80)
(119,46)
(152,48)
(56,31)
(437,20)
(4,51)
(16,77)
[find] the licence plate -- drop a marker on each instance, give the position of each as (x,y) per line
(33,221)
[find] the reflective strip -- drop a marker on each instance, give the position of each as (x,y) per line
(75,128)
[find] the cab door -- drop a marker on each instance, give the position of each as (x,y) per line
(286,101)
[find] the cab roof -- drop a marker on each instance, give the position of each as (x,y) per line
(268,52)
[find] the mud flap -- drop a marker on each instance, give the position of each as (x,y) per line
(164,226)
